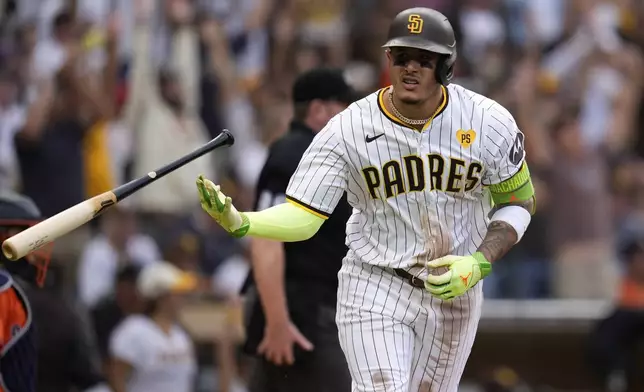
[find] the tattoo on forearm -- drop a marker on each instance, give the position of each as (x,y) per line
(498,241)
(500,235)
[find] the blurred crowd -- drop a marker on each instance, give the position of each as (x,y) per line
(94,93)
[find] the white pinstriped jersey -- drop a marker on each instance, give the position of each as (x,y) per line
(416,196)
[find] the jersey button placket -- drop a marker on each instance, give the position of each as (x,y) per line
(423,143)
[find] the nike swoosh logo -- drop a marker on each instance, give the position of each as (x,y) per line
(369,139)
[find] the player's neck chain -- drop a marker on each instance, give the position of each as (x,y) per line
(400,116)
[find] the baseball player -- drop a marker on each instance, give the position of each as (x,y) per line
(18,354)
(440,190)
(44,345)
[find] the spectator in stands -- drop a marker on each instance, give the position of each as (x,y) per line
(52,53)
(198,246)
(50,147)
(323,25)
(110,311)
(309,34)
(244,23)
(150,351)
(12,117)
(118,244)
(234,104)
(21,58)
(615,340)
(106,143)
(162,112)
(183,250)
(579,232)
(525,272)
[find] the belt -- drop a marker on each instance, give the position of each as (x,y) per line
(413,280)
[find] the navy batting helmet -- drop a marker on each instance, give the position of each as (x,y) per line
(426,29)
(17,213)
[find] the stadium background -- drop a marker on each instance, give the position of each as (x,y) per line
(569,70)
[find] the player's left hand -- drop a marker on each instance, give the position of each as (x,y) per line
(463,272)
(220,207)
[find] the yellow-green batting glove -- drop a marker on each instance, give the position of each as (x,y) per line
(220,207)
(463,273)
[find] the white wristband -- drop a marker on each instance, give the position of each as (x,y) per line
(515,216)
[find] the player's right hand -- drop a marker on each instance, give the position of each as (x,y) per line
(220,208)
(462,274)
(278,341)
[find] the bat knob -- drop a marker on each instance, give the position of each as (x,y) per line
(230,139)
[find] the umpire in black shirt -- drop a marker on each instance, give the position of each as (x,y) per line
(292,290)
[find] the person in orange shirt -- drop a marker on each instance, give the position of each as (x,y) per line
(18,354)
(614,338)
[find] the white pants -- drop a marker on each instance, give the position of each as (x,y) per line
(398,338)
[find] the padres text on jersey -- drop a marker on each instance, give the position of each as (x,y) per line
(417,195)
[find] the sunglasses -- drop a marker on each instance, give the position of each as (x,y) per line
(402,57)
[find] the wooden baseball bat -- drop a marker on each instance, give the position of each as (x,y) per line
(70,219)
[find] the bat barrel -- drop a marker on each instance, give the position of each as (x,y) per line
(39,235)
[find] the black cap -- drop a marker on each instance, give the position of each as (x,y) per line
(327,84)
(128,273)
